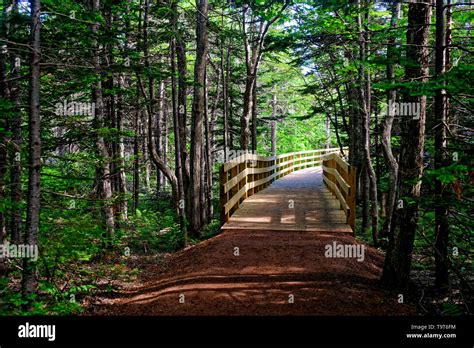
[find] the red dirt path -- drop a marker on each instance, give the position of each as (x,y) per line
(272,265)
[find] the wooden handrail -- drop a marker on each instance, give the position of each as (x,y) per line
(247,174)
(340,178)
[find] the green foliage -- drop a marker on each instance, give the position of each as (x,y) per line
(156,231)
(448,174)
(451,309)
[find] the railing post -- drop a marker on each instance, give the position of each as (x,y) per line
(267,174)
(233,173)
(351,199)
(277,170)
(260,175)
(243,182)
(329,164)
(223,195)
(273,171)
(251,178)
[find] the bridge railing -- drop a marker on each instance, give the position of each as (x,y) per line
(247,174)
(340,178)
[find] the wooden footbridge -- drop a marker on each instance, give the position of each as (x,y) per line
(301,191)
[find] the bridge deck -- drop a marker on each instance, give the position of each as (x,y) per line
(297,202)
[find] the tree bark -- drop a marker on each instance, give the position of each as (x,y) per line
(396,273)
(136,153)
(209,161)
(441,160)
(17,141)
(160,127)
(274,126)
(253,54)
(103,167)
(387,124)
(227,114)
(180,48)
(157,160)
(4,127)
(29,281)
(254,115)
(198,111)
(225,67)
(370,181)
(120,147)
(177,145)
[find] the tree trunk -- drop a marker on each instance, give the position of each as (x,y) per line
(136,153)
(365,196)
(396,273)
(29,281)
(151,147)
(198,111)
(390,159)
(177,145)
(180,48)
(252,55)
(227,115)
(253,45)
(209,162)
(121,177)
(17,141)
(4,127)
(274,126)
(247,113)
(144,144)
(159,133)
(164,142)
(254,115)
(370,190)
(225,97)
(103,167)
(328,131)
(441,160)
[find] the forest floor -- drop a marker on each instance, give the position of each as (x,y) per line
(275,273)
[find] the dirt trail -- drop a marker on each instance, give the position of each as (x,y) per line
(275,272)
(272,269)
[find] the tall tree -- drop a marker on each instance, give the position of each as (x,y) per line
(440,128)
(180,50)
(4,94)
(387,124)
(198,113)
(177,142)
(370,179)
(29,281)
(255,23)
(103,179)
(396,272)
